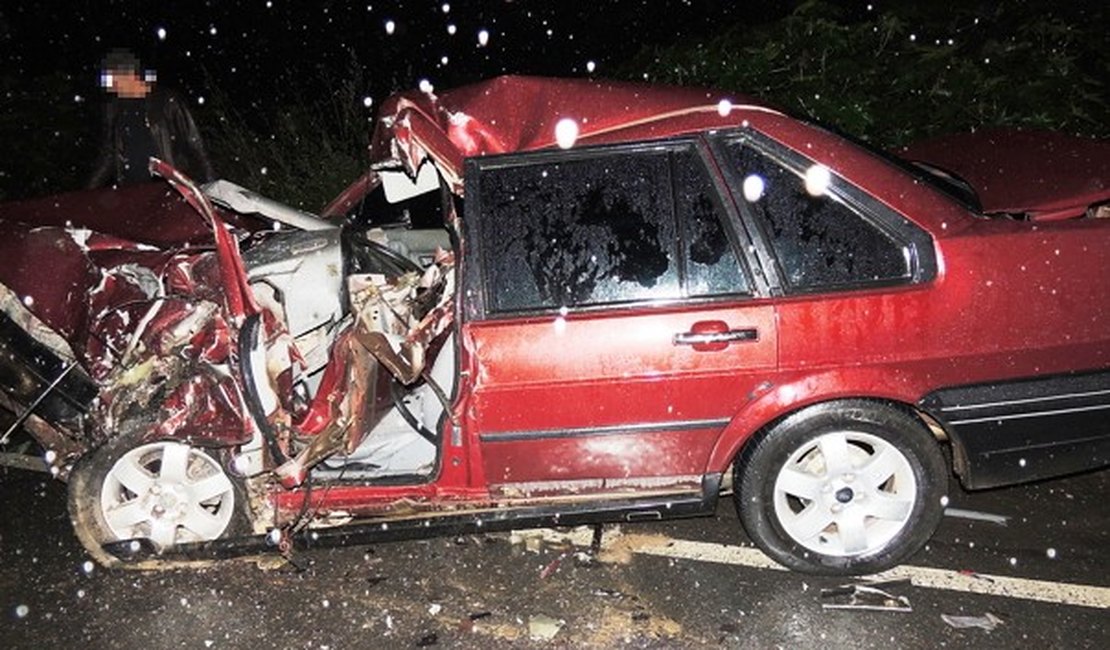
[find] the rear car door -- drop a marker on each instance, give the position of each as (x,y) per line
(612,325)
(859,311)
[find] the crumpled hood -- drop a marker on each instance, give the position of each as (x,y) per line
(140,283)
(1044,174)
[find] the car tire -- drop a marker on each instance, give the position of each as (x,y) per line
(842,488)
(125,490)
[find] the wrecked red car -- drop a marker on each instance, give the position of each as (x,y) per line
(558,302)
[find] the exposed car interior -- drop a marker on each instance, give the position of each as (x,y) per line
(376,271)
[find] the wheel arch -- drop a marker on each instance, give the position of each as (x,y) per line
(777,403)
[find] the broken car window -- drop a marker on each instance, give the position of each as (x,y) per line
(819,241)
(712,266)
(579,232)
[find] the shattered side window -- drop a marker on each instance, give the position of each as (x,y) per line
(582,232)
(712,266)
(819,241)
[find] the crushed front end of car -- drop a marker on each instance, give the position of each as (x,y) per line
(180,361)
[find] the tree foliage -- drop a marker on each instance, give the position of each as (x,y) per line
(898,71)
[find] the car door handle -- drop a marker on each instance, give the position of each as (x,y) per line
(714,335)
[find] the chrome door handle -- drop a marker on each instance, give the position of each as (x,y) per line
(726,337)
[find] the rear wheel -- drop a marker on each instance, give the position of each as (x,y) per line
(166,491)
(843,487)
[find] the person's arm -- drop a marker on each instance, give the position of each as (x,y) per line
(193,146)
(103,168)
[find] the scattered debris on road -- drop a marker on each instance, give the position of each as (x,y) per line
(868,596)
(542,627)
(977,515)
(987,621)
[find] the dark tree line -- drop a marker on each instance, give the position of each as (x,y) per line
(905,70)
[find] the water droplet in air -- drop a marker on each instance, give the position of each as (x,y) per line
(753,188)
(817,180)
(566,133)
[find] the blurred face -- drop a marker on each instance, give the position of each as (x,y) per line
(123,82)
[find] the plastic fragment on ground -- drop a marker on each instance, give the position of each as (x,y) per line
(987,621)
(543,628)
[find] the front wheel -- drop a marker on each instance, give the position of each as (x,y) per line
(843,487)
(166,491)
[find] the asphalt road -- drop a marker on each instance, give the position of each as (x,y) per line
(1044,578)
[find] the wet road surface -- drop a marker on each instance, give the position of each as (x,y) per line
(1044,578)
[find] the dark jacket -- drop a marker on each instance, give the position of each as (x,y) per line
(176,140)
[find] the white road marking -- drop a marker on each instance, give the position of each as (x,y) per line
(1063,593)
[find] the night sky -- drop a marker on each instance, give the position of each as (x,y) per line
(257,49)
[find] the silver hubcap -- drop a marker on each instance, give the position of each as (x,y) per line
(845,493)
(168,492)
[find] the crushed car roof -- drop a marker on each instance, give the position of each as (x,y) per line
(513,113)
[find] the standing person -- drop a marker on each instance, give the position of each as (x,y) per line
(141,121)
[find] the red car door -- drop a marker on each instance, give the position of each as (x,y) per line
(613,327)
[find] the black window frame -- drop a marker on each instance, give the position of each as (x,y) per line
(475,282)
(919,242)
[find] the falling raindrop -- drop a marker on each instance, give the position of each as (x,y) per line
(390,27)
(753,188)
(483,37)
(817,179)
(566,133)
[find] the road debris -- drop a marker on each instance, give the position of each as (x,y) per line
(987,621)
(552,566)
(868,596)
(544,628)
(977,515)
(972,574)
